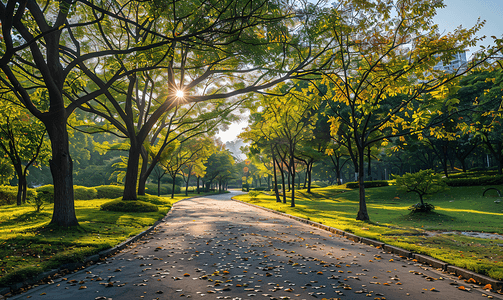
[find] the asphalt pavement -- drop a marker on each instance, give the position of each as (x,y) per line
(216,248)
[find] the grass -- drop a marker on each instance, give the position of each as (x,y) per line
(458,209)
(29,245)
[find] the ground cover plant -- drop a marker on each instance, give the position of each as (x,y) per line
(29,245)
(458,209)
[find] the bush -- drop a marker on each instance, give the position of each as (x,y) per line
(475,181)
(253,194)
(48,191)
(421,208)
(19,275)
(84,193)
(129,206)
(79,192)
(367,184)
(8,194)
(109,191)
(151,188)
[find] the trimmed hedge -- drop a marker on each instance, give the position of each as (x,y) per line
(151,188)
(475,181)
(368,184)
(8,194)
(109,191)
(129,206)
(84,193)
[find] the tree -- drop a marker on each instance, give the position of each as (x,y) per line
(384,67)
(22,141)
(219,168)
(424,182)
(53,48)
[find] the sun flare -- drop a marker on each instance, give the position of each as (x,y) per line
(180,94)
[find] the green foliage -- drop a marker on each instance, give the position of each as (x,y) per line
(109,191)
(166,189)
(475,181)
(8,194)
(421,208)
(85,193)
(48,190)
(367,184)
(254,194)
(129,206)
(20,275)
(424,182)
(80,192)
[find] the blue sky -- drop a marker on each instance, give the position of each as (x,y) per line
(466,12)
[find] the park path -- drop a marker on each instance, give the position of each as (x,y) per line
(216,248)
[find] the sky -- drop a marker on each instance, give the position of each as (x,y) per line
(456,13)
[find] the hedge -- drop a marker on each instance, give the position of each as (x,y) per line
(109,191)
(86,193)
(151,188)
(367,184)
(8,194)
(475,181)
(129,206)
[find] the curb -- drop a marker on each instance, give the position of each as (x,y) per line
(496,285)
(87,262)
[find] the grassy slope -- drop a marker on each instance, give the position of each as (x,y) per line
(459,209)
(29,246)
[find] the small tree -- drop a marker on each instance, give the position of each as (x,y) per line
(424,182)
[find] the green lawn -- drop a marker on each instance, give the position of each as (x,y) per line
(458,209)
(29,246)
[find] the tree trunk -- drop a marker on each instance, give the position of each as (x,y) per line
(158,186)
(61,166)
(143,172)
(276,192)
(187,185)
(309,171)
(292,204)
(197,185)
(131,173)
(173,187)
(369,170)
(362,211)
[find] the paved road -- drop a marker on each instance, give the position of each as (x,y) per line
(216,248)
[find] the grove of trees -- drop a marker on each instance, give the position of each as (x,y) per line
(331,87)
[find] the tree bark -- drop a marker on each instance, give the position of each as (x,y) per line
(61,166)
(362,210)
(276,192)
(292,163)
(143,172)
(132,173)
(173,187)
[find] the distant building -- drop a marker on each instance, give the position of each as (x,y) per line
(457,64)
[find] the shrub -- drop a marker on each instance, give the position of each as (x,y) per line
(421,207)
(109,191)
(367,184)
(253,194)
(84,193)
(79,192)
(129,206)
(8,194)
(475,181)
(48,191)
(151,188)
(19,275)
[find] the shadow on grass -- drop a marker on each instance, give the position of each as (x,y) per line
(27,219)
(428,217)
